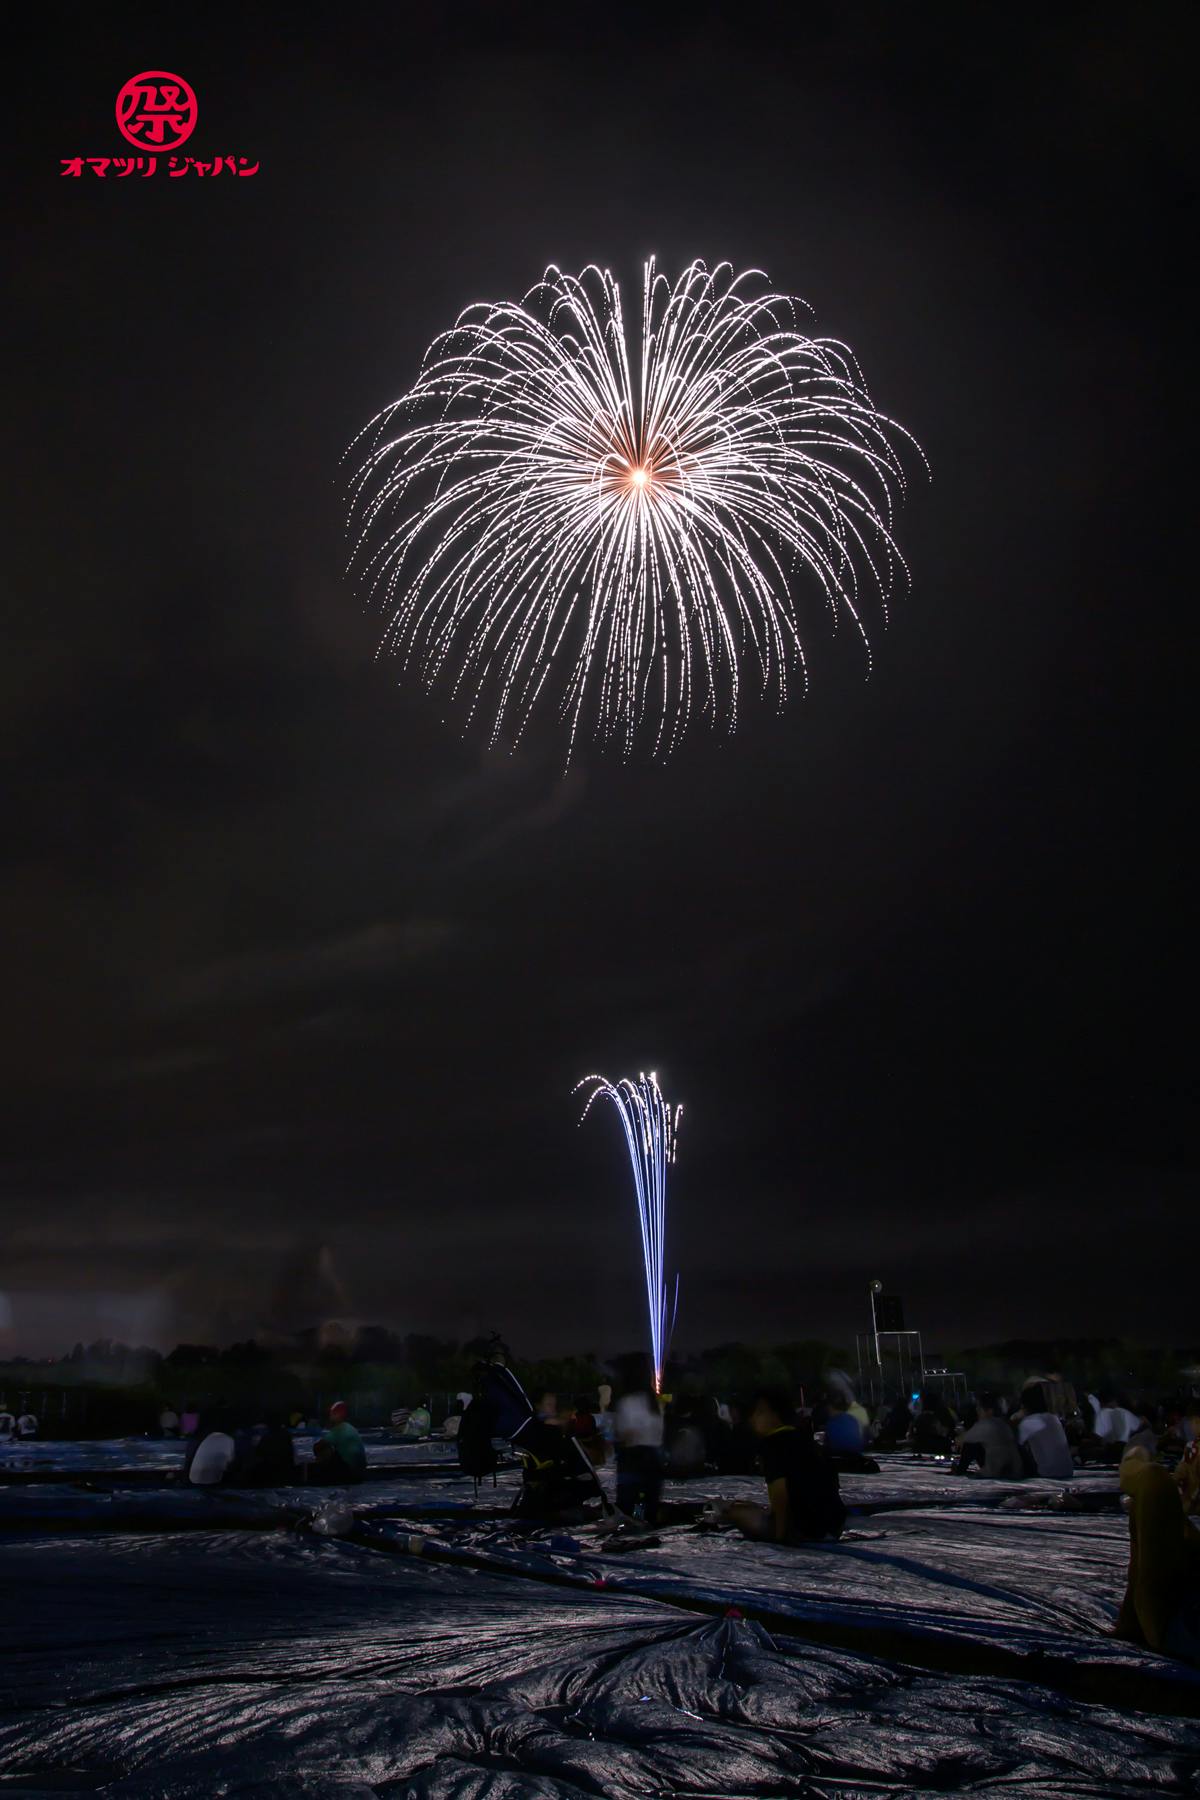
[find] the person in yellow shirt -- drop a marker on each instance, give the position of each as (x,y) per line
(1161,1607)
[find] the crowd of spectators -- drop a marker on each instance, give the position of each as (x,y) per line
(1042,1431)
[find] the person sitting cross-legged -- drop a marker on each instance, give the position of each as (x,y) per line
(991,1442)
(802,1485)
(1042,1436)
(339,1452)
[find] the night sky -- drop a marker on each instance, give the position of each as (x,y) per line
(299,977)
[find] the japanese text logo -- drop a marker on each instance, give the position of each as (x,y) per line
(156,113)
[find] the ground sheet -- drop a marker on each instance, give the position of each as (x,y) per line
(403,1640)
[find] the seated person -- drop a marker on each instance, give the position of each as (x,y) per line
(270,1457)
(1161,1607)
(933,1428)
(1112,1427)
(802,1484)
(211,1453)
(894,1426)
(584,1428)
(555,1482)
(1148,1433)
(1114,1423)
(843,1433)
(339,1450)
(419,1422)
(845,1439)
(990,1442)
(1042,1437)
(27,1425)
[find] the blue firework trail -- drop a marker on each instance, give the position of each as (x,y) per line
(651,1129)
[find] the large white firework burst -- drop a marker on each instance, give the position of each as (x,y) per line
(626,528)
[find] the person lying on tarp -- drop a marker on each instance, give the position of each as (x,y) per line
(1161,1607)
(339,1452)
(802,1485)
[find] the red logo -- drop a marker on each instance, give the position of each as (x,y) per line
(156,111)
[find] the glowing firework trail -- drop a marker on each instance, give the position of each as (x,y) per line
(550,500)
(650,1132)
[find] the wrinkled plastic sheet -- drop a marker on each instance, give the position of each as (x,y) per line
(20,1454)
(140,1457)
(499,1662)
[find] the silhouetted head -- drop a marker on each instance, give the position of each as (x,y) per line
(770,1408)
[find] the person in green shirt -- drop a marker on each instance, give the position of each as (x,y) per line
(339,1450)
(419,1421)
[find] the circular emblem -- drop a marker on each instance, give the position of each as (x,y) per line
(156,111)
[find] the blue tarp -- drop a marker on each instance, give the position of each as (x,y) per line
(233,1661)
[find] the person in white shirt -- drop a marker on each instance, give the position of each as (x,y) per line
(1041,1433)
(27,1425)
(638,1429)
(212,1450)
(1115,1424)
(212,1460)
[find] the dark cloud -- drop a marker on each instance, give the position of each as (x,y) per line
(373,951)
